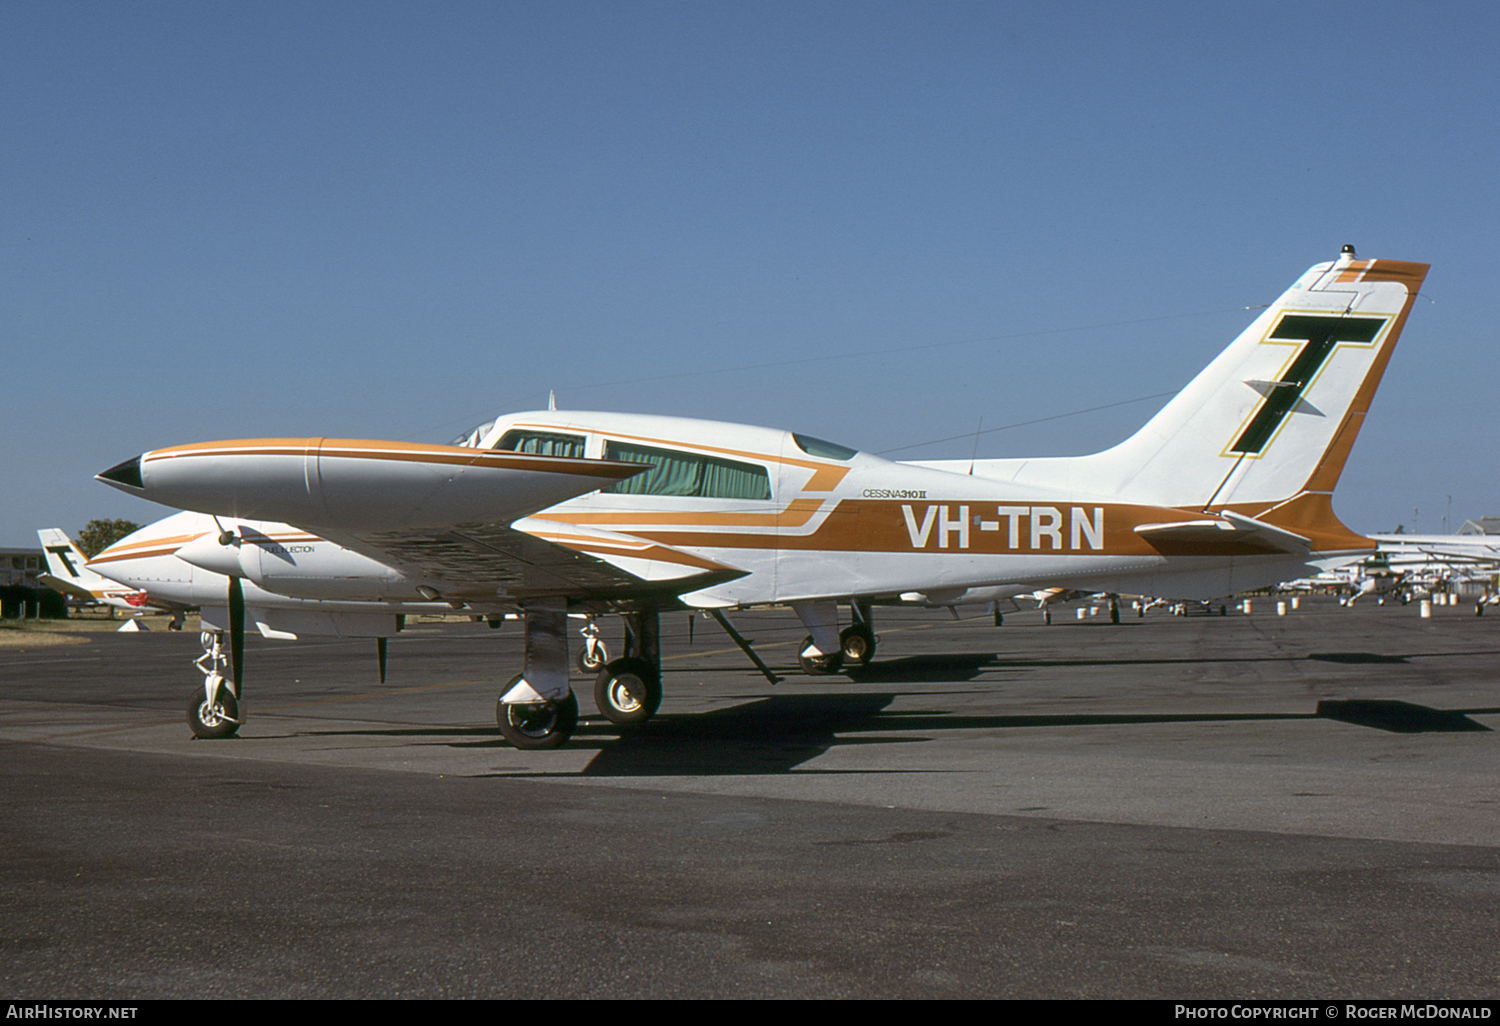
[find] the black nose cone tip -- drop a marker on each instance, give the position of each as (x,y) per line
(127,473)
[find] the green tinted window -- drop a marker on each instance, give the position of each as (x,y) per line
(542,443)
(685,473)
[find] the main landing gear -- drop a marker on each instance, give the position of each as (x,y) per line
(858,642)
(822,651)
(628,690)
(538,710)
(535,725)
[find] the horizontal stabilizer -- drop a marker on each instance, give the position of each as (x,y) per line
(1233,533)
(67,587)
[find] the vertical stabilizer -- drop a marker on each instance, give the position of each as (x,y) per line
(1273,417)
(66,571)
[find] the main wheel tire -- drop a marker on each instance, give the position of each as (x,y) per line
(213,720)
(628,691)
(588,664)
(817,666)
(534,726)
(858,642)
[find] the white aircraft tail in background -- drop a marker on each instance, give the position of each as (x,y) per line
(69,574)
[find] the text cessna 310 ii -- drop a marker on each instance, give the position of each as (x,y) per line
(1226,489)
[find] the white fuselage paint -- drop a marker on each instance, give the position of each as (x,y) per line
(1227,488)
(967,536)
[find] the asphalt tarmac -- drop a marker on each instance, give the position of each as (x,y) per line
(1248,806)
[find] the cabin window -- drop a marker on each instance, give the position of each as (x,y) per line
(685,473)
(828,450)
(542,443)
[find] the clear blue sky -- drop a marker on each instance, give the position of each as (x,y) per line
(880,222)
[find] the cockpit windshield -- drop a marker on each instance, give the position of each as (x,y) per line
(471,439)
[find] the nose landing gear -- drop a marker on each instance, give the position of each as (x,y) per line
(213,711)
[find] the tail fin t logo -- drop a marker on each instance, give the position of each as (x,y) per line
(62,552)
(1320,336)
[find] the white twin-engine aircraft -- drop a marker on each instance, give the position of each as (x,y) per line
(68,574)
(1226,489)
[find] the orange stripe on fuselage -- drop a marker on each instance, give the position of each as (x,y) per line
(857,525)
(153,547)
(797,513)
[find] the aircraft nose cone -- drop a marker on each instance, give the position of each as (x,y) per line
(127,474)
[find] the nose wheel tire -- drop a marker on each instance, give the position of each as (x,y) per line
(534,726)
(592,662)
(213,720)
(628,691)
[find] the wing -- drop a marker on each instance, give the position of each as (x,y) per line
(455,520)
(357,483)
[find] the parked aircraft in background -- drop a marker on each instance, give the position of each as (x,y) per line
(1414,565)
(1226,489)
(1476,550)
(68,573)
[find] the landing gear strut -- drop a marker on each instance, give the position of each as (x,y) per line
(628,690)
(824,651)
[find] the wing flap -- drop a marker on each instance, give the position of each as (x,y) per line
(484,565)
(642,559)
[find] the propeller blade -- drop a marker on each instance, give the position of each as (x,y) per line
(380,654)
(237,634)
